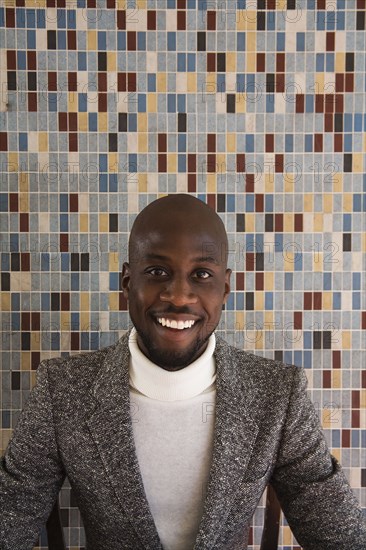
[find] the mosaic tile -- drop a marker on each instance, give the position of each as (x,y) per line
(256,107)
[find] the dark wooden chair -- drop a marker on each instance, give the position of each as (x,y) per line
(270,534)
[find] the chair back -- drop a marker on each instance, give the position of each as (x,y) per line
(55,534)
(271,526)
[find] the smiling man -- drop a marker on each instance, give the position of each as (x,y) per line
(170,436)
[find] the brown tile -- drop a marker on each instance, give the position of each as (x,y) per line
(192,183)
(339,82)
(162,142)
(259,202)
(249,261)
(308,300)
(330,41)
(64,242)
(62,122)
(181,20)
(211,143)
(280,82)
(240,280)
(338,143)
(298,222)
(192,162)
(10,17)
(317,300)
(31,60)
(259,281)
(24,222)
(356,419)
(102,103)
(240,162)
(65,301)
(211,62)
(121,19)
(249,183)
(131,82)
(339,108)
(327,379)
(35,359)
(211,200)
(321,4)
(162,163)
(328,123)
(269,143)
(261,62)
(73,122)
(355,399)
(3,141)
(71,40)
(74,202)
(11,59)
(32,102)
(363,320)
(102,82)
(346,438)
(91,3)
(111,4)
(278,218)
(73,141)
(36,320)
(336,359)
(75,336)
(300,103)
(181,5)
(297,320)
(319,103)
(72,81)
(25,261)
(329,103)
(151,20)
(131,40)
(279,163)
(25,320)
(318,143)
(211,20)
(280,62)
(122,82)
(52,82)
(13,202)
(350,78)
(211,163)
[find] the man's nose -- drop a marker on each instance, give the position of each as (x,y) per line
(178,291)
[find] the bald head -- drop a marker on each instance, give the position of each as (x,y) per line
(180,211)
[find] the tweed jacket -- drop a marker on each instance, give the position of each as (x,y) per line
(77,423)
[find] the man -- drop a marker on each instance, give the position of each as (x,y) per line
(170,436)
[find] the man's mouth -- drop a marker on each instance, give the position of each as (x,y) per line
(177,325)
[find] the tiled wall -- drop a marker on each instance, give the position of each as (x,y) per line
(255,106)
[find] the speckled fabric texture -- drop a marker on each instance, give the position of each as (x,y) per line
(77,423)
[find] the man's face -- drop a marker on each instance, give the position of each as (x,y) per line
(176,278)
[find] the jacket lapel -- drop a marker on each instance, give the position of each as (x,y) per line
(111,428)
(234,437)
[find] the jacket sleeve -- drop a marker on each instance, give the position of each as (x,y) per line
(31,473)
(314,493)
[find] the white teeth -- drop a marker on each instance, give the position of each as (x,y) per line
(171,323)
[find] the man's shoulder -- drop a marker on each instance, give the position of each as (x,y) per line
(247,364)
(77,367)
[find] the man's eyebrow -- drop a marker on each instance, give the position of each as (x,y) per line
(198,259)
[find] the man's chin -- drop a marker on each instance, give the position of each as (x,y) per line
(172,360)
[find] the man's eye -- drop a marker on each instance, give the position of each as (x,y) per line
(202,274)
(156,272)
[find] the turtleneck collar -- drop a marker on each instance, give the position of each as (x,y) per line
(157,383)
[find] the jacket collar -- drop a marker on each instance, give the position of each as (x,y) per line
(234,435)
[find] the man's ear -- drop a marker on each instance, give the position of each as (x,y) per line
(227,285)
(125,279)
